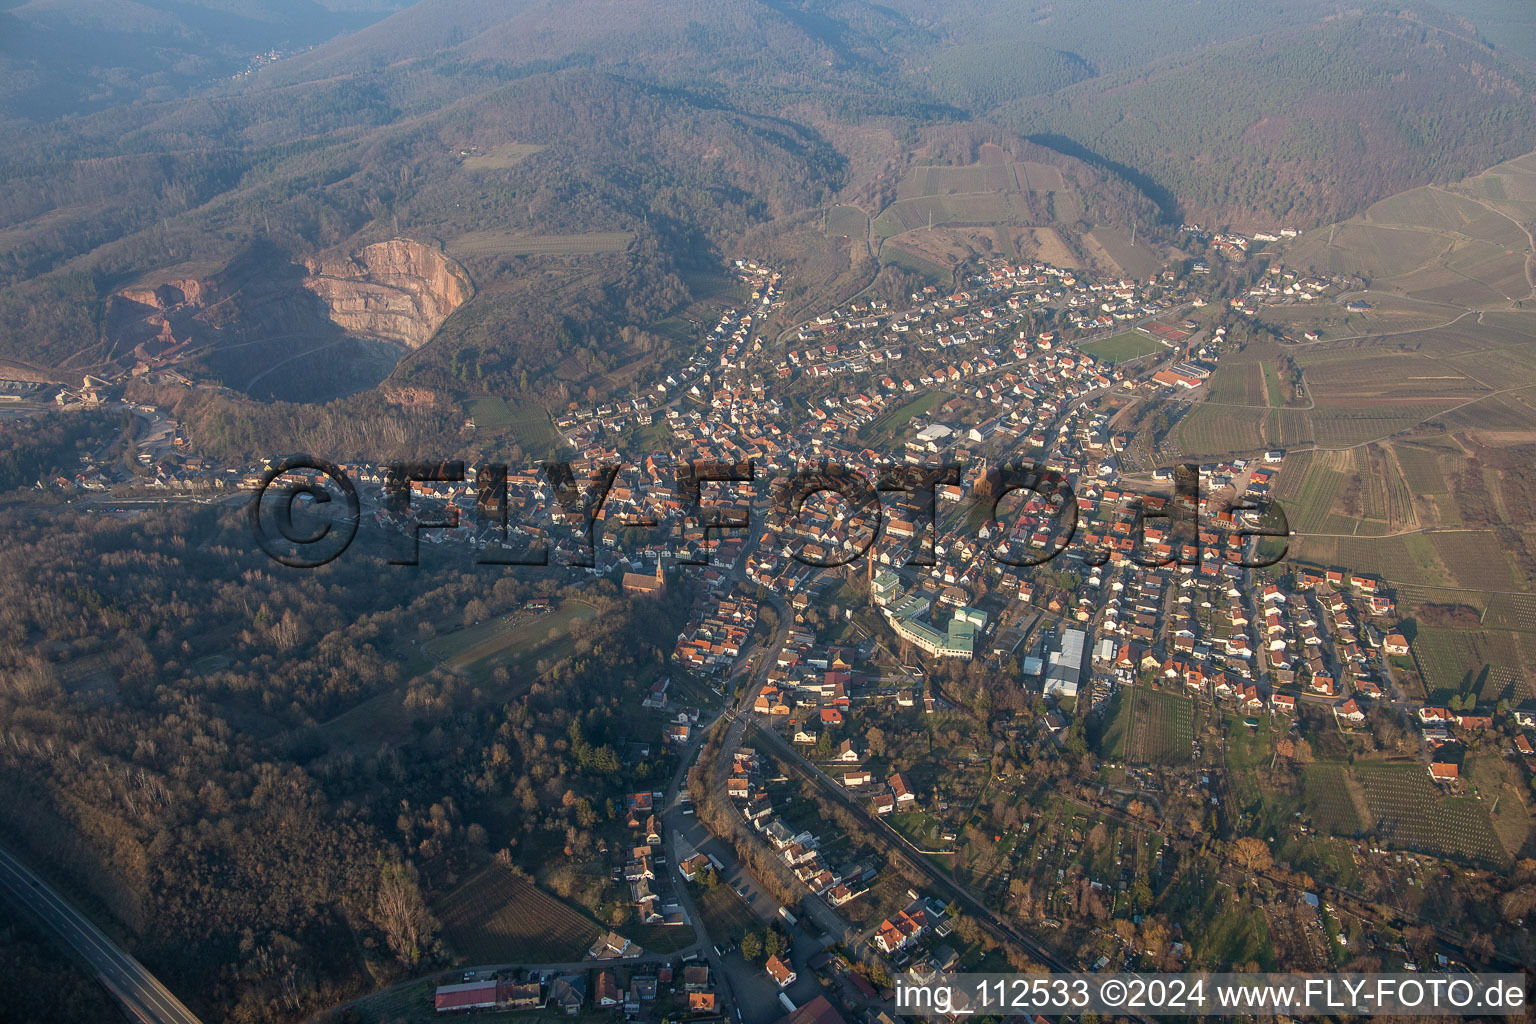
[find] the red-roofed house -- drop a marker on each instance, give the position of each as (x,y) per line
(1444,771)
(782,974)
(1350,712)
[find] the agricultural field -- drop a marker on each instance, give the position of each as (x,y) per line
(1375,376)
(1409,557)
(1123,347)
(1421,468)
(1383,498)
(505,243)
(1388,314)
(1427,243)
(1346,425)
(1221,431)
(1162,728)
(1112,250)
(1236,384)
(496,916)
(1411,813)
(1286,428)
(1511,611)
(984,208)
(1510,185)
(1498,367)
(1476,559)
(1293,474)
(939,180)
(1438,210)
(896,255)
(1405,559)
(1496,420)
(1363,249)
(1038,177)
(1456,661)
(498,158)
(526,422)
(1332,799)
(1309,506)
(1512,325)
(1499,785)
(1045,244)
(1276,392)
(847,222)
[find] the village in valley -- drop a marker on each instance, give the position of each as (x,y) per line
(1167,676)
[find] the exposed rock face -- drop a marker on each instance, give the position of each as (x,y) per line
(399,291)
(274,328)
(172,293)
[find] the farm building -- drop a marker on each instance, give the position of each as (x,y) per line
(486,995)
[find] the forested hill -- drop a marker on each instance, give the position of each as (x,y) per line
(680,127)
(339,164)
(61,57)
(1304,125)
(754,54)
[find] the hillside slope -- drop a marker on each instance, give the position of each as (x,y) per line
(1303,125)
(62,57)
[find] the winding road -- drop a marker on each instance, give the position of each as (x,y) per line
(141,993)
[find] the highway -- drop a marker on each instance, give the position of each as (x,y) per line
(142,995)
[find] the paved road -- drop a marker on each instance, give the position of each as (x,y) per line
(898,844)
(673,823)
(141,994)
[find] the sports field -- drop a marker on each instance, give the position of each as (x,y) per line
(891,422)
(1122,347)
